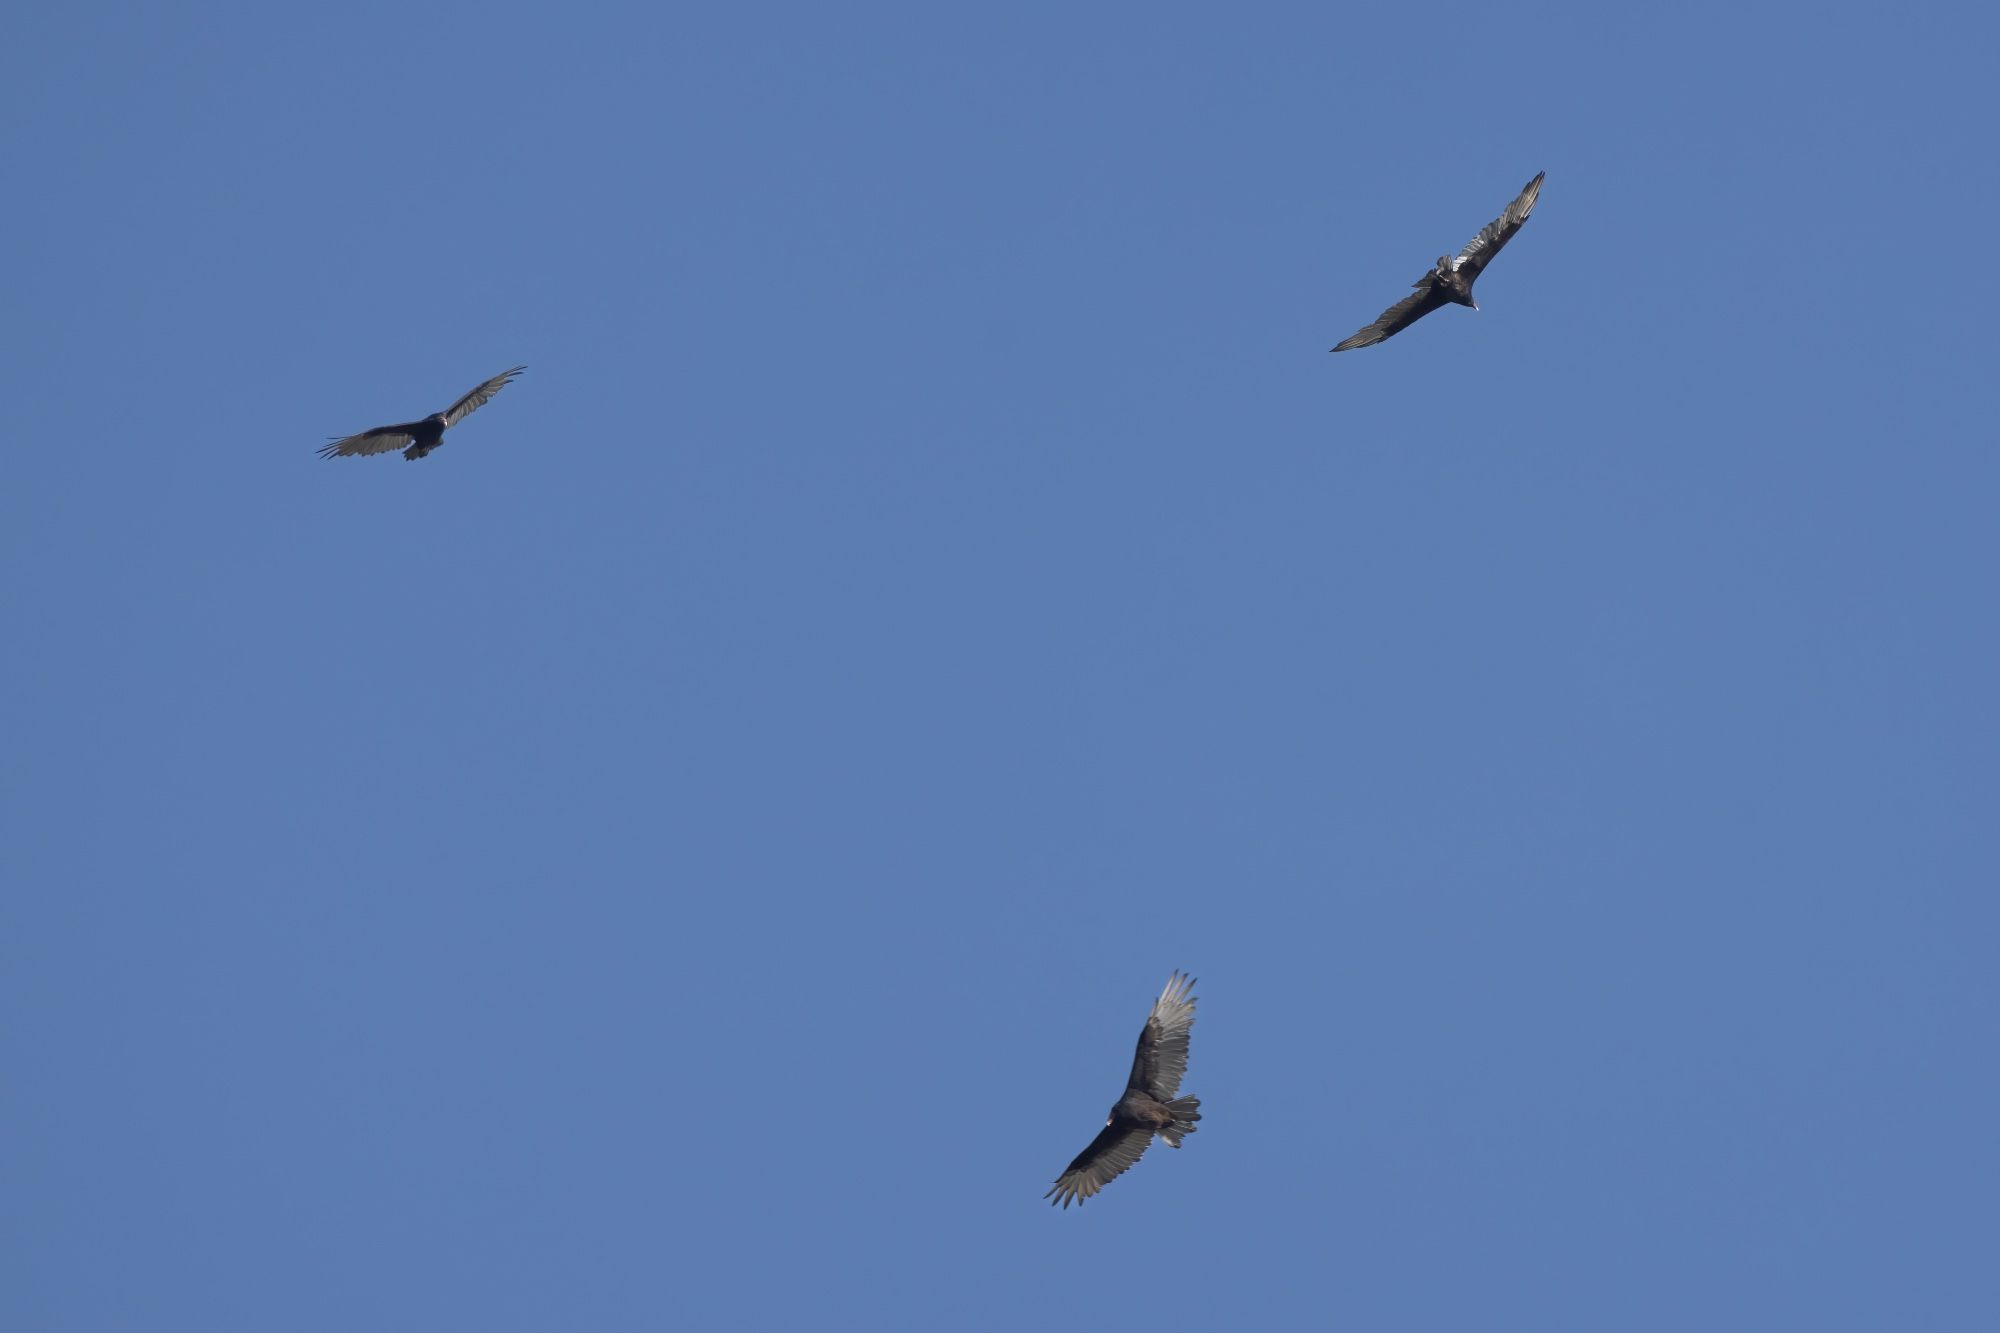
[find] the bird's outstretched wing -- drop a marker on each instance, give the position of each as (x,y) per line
(1161,1061)
(469,404)
(381,440)
(1399,316)
(1479,251)
(1108,1157)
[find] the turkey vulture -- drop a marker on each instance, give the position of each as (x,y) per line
(1150,1105)
(420,436)
(1450,283)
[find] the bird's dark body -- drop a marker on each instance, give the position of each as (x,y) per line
(425,436)
(1451,285)
(1137,1109)
(1450,281)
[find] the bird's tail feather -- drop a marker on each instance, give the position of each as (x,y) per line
(1186,1110)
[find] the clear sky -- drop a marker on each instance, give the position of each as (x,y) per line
(696,850)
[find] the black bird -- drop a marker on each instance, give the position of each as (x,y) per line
(1150,1105)
(1450,283)
(420,436)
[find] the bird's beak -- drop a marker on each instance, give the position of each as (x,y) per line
(1475,305)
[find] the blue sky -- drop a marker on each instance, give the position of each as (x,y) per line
(696,850)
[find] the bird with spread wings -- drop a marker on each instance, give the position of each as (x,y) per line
(1450,281)
(417,438)
(1152,1103)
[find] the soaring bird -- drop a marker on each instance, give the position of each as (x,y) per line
(1151,1104)
(1450,282)
(420,437)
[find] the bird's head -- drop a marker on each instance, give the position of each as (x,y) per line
(438,417)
